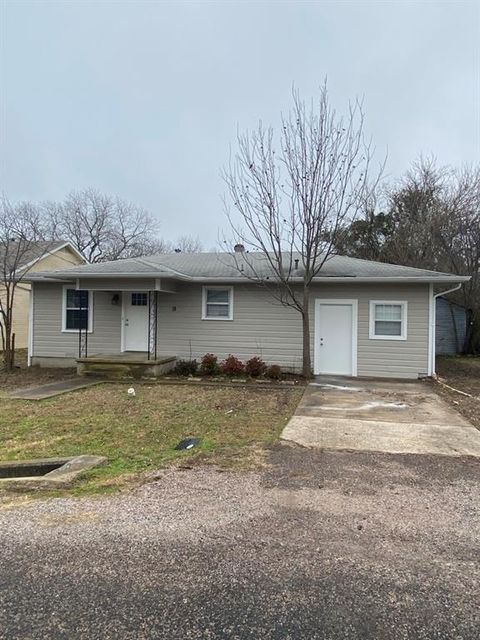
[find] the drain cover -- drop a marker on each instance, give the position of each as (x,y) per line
(188,443)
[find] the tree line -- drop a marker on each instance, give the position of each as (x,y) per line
(429,219)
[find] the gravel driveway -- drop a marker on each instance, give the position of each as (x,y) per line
(319,545)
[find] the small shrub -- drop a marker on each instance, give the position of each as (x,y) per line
(209,365)
(186,368)
(255,367)
(232,366)
(274,372)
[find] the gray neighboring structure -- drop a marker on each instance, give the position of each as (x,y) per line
(451,327)
(368,318)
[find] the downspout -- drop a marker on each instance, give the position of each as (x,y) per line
(30,326)
(433,314)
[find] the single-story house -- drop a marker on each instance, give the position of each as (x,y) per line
(451,327)
(367,318)
(37,256)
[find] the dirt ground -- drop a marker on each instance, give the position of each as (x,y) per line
(462,373)
(22,376)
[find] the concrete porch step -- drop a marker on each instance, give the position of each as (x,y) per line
(125,366)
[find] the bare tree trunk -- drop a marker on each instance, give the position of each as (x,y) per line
(307,364)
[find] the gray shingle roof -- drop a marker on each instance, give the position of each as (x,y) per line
(205,266)
(19,254)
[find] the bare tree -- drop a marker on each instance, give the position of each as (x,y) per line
(99,226)
(20,231)
(292,196)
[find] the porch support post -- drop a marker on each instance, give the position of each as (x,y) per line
(152,324)
(83,331)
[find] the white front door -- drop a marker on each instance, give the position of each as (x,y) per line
(135,321)
(335,337)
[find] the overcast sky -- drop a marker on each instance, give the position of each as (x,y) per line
(143,99)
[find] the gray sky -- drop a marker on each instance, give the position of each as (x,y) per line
(143,99)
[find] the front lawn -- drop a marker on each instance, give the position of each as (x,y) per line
(139,433)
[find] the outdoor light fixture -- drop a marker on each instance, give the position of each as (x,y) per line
(115,299)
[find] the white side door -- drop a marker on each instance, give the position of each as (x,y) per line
(135,321)
(335,346)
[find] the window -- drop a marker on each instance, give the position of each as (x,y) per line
(139,299)
(217,303)
(388,320)
(77,309)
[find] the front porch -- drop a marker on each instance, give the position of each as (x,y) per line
(125,365)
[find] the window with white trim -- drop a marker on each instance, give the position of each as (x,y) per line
(77,309)
(217,303)
(388,320)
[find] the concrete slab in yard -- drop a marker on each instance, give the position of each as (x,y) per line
(51,389)
(384,416)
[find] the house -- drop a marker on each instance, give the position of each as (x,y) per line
(451,327)
(39,256)
(368,318)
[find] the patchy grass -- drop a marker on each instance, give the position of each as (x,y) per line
(138,434)
(23,376)
(462,373)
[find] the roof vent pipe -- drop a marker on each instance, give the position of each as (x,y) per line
(296,263)
(239,248)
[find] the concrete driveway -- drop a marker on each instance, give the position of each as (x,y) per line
(385,416)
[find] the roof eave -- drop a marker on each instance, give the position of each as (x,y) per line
(243,279)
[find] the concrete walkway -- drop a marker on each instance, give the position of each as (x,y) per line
(52,389)
(384,416)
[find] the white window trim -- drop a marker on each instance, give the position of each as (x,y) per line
(205,288)
(64,310)
(404,320)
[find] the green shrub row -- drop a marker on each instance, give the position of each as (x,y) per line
(231,366)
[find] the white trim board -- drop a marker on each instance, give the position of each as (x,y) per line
(64,309)
(371,320)
(206,288)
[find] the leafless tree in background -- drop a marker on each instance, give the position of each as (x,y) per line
(183,244)
(292,196)
(99,226)
(20,231)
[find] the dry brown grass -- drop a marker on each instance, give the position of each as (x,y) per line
(139,434)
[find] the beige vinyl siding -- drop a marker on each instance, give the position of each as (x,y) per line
(390,358)
(260,326)
(20,315)
(50,341)
(61,259)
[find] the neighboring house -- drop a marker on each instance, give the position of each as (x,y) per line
(40,256)
(451,327)
(368,318)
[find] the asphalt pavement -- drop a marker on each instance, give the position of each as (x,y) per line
(317,545)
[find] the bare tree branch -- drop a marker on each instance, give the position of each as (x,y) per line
(292,195)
